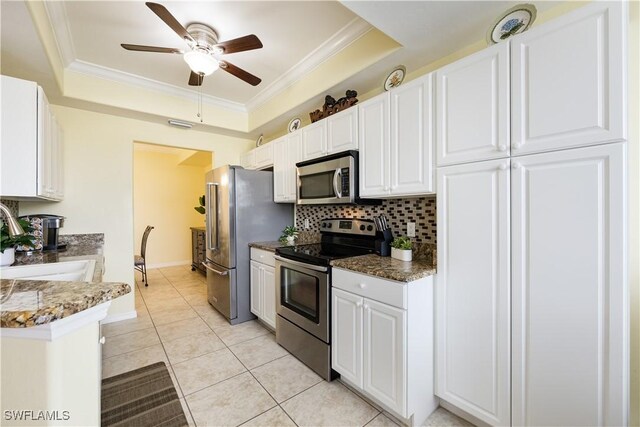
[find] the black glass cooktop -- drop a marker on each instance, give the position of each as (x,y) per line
(321,253)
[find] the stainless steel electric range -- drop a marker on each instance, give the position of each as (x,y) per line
(303,289)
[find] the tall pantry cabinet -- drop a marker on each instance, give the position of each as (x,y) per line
(532,311)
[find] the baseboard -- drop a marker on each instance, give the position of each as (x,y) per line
(119,316)
(463,414)
(168,264)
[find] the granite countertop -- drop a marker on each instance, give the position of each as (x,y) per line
(37,302)
(303,239)
(74,252)
(424,264)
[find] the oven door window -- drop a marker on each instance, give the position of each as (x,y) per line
(299,292)
(317,186)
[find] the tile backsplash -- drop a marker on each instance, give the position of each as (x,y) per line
(421,210)
(12,205)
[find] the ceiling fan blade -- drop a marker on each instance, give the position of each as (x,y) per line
(240,44)
(240,73)
(168,19)
(143,48)
(195,79)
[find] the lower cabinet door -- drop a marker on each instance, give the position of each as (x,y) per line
(570,308)
(256,291)
(269,296)
(385,355)
(346,333)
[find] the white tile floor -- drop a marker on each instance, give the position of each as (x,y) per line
(229,375)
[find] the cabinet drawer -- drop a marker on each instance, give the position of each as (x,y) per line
(263,256)
(375,288)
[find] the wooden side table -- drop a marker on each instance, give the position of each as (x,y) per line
(198,251)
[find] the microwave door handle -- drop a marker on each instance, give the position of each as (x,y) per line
(212,223)
(337,184)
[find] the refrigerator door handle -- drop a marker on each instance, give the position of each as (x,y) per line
(208,267)
(212,224)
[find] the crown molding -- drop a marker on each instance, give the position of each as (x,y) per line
(94,70)
(57,14)
(342,38)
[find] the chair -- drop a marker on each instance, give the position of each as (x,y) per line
(139,261)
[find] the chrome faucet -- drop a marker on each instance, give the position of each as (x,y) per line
(14,226)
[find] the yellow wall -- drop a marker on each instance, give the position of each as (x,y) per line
(170,210)
(98,176)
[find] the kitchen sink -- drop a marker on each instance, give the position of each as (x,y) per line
(81,271)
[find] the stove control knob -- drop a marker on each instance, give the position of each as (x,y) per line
(362,227)
(369,227)
(324,225)
(329,225)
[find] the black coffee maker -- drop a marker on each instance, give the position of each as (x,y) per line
(46,229)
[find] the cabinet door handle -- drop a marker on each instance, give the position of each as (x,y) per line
(366,306)
(502,167)
(517,145)
(502,147)
(362,285)
(516,165)
(359,304)
(103,340)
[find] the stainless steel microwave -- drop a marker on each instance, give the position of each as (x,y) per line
(330,180)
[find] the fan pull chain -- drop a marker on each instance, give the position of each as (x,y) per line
(200,99)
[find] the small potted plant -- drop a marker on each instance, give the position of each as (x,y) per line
(401,248)
(8,243)
(200,209)
(289,235)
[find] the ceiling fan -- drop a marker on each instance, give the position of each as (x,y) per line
(204,49)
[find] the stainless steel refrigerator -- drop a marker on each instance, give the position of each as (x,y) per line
(239,210)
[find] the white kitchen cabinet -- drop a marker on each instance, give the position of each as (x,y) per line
(247,160)
(569,80)
(287,152)
(473,107)
(342,131)
(396,141)
(346,351)
(31,143)
(314,140)
(374,133)
(570,307)
(382,334)
(263,289)
(256,288)
(384,354)
(263,156)
(473,289)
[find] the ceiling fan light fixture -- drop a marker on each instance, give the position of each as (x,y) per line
(201,62)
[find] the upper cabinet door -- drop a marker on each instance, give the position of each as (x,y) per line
(412,133)
(570,307)
(314,140)
(280,167)
(473,107)
(294,147)
(264,156)
(342,131)
(569,80)
(373,124)
(473,290)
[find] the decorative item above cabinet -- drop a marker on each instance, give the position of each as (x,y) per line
(32,144)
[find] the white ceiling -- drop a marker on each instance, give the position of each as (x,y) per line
(297,35)
(289,32)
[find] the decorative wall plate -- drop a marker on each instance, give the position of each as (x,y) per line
(259,141)
(395,78)
(294,124)
(516,20)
